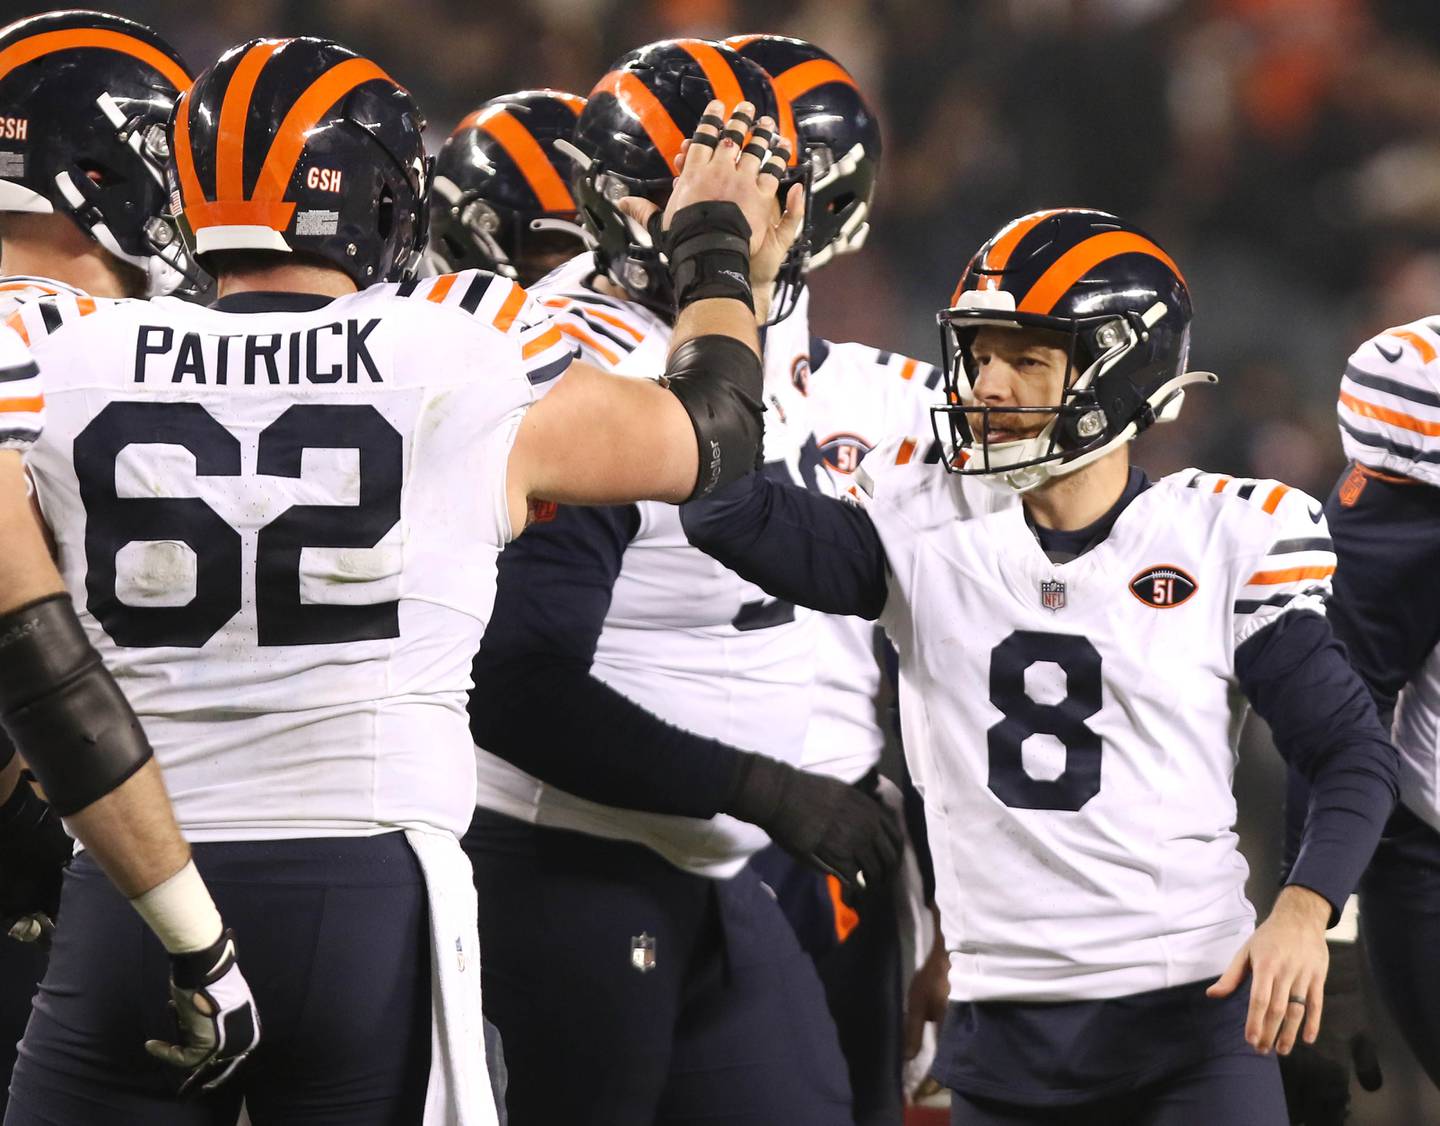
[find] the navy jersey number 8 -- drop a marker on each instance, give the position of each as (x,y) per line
(113,521)
(1065,720)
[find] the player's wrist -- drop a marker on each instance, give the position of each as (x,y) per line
(1304,905)
(181,913)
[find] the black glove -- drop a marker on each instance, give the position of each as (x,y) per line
(216,1014)
(34,850)
(1317,1076)
(833,827)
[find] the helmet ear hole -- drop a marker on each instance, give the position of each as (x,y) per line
(385,213)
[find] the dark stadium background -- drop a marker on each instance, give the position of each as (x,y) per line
(1286,153)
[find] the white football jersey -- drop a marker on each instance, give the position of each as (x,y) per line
(280,529)
(1389,414)
(15,288)
(854,397)
(685,638)
(1073,726)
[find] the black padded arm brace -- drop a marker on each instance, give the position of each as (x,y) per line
(719,382)
(62,708)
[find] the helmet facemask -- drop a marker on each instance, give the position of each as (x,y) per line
(1100,407)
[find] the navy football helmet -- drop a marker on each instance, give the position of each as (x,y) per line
(1124,308)
(628,140)
(84,97)
(301,145)
(501,198)
(839,138)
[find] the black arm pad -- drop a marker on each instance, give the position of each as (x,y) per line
(719,381)
(62,708)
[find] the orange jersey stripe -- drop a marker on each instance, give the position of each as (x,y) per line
(807,76)
(905,452)
(598,314)
(29,406)
(1393,417)
(907,371)
(36,46)
(1277,494)
(230,159)
(45,289)
(1423,346)
(514,302)
(308,108)
(85,305)
(530,158)
(16,323)
(1292,575)
(547,339)
(1080,259)
(999,256)
(1220,484)
(654,118)
(586,339)
(442,286)
(717,70)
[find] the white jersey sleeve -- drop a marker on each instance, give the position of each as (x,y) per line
(1286,560)
(22,405)
(1389,408)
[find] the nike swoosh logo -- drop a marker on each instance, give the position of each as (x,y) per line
(1386,353)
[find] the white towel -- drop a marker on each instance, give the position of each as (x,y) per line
(459,1092)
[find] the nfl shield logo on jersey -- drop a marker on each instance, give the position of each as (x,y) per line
(1052,594)
(642,952)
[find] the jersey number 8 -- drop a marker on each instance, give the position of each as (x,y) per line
(1065,720)
(113,521)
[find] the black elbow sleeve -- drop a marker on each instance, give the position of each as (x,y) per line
(63,709)
(719,382)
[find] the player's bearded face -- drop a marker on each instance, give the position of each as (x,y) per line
(1021,368)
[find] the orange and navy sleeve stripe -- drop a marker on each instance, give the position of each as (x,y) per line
(506,307)
(601,333)
(1389,404)
(22,403)
(1294,568)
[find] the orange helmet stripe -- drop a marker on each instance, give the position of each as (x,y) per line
(529,157)
(718,71)
(230,136)
(289,140)
(574,101)
(191,193)
(805,77)
(740,42)
(1004,245)
(1080,259)
(654,118)
(47,42)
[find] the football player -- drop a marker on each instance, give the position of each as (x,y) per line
(854,396)
(280,517)
(628,947)
(1073,674)
(1382,514)
(84,97)
(64,713)
(501,200)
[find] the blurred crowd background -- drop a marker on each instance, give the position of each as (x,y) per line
(1285,152)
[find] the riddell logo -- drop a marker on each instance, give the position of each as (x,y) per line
(14,128)
(323,179)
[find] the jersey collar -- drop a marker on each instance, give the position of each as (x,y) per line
(261,302)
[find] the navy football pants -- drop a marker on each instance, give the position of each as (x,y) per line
(861,975)
(1400,918)
(1242,1089)
(628,991)
(333,938)
(21,966)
